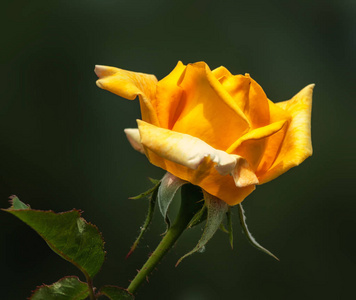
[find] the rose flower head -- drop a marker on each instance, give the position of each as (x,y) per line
(213,129)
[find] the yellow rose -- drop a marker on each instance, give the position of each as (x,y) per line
(214,129)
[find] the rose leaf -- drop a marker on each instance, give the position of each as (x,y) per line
(67,288)
(67,234)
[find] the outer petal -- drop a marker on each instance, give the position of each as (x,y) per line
(129,85)
(206,110)
(193,160)
(183,149)
(133,135)
(296,145)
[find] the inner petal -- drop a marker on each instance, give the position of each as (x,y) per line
(207,111)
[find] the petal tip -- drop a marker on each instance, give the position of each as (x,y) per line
(243,174)
(98,69)
(133,136)
(99,84)
(308,90)
(140,122)
(104,71)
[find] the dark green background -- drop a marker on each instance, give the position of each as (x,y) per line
(63,146)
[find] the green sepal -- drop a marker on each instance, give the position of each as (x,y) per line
(116,293)
(216,212)
(154,181)
(67,234)
(67,288)
(148,192)
(223,228)
(170,184)
(199,217)
(229,227)
(249,236)
(151,207)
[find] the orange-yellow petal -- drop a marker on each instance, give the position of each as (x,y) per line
(168,97)
(296,145)
(206,110)
(133,135)
(221,72)
(247,94)
(183,149)
(129,85)
(275,141)
(243,174)
(252,145)
(193,160)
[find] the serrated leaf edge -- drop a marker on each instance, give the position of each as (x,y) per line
(63,278)
(117,287)
(79,212)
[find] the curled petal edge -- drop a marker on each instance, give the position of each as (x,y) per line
(190,152)
(297,144)
(133,136)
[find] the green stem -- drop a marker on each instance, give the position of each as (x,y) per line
(164,246)
(190,196)
(91,289)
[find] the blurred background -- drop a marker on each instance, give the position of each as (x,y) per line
(63,146)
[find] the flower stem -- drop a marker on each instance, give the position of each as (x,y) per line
(190,196)
(164,246)
(91,289)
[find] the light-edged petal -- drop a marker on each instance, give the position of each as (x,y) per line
(243,174)
(204,108)
(129,85)
(133,135)
(296,145)
(183,149)
(193,160)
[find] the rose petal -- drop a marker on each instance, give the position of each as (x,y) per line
(252,145)
(221,72)
(205,107)
(129,85)
(243,174)
(247,94)
(296,146)
(168,97)
(133,135)
(193,160)
(274,142)
(183,149)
